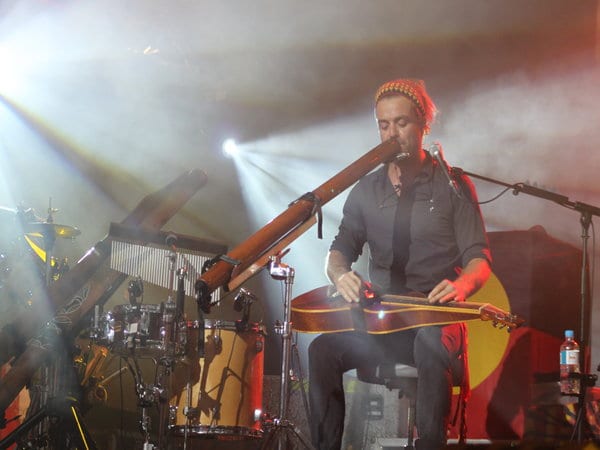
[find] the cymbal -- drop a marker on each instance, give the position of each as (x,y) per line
(45,229)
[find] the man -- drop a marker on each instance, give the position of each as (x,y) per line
(421,236)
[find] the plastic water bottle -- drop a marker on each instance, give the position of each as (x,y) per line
(569,363)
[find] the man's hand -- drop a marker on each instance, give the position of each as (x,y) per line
(346,282)
(348,286)
(447,291)
(472,277)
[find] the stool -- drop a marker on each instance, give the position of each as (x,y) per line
(404,378)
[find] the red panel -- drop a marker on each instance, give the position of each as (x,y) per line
(541,276)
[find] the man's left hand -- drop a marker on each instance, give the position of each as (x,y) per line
(447,291)
(471,278)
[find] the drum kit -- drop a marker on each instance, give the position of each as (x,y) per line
(27,261)
(205,388)
(214,400)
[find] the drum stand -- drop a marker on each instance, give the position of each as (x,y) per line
(148,395)
(281,433)
(58,423)
(159,393)
(66,411)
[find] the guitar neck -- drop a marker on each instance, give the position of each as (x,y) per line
(485,311)
(421,301)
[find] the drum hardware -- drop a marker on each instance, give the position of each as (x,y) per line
(106,380)
(4,269)
(148,396)
(89,364)
(242,302)
(173,316)
(137,334)
(137,330)
(49,232)
(189,412)
(134,336)
(27,265)
(131,330)
(145,429)
(87,284)
(147,261)
(53,391)
(93,385)
(58,268)
(135,289)
(56,422)
(95,331)
(280,431)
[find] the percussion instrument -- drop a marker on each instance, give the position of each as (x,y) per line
(133,330)
(219,396)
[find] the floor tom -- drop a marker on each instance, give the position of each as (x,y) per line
(219,396)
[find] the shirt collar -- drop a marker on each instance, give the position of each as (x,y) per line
(425,175)
(426,172)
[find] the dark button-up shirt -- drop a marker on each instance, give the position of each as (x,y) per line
(446,231)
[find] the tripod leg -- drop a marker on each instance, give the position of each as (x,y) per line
(307,445)
(83,433)
(281,428)
(266,443)
(284,435)
(296,355)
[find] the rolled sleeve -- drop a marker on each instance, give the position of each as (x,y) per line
(351,235)
(469,227)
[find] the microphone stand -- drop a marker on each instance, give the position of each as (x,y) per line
(277,436)
(586,212)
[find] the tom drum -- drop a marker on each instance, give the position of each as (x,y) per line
(133,330)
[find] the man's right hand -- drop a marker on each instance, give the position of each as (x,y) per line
(346,281)
(348,286)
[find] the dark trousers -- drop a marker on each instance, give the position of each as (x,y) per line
(433,350)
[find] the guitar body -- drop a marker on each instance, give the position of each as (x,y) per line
(317,311)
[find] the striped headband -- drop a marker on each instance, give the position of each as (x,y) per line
(415,91)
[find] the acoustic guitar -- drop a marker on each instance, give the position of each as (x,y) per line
(319,311)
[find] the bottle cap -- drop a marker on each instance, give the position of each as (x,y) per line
(569,334)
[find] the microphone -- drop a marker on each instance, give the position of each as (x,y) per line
(243,301)
(402,156)
(243,298)
(135,289)
(203,296)
(435,150)
(238,301)
(170,240)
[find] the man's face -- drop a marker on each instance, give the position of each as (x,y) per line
(396,117)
